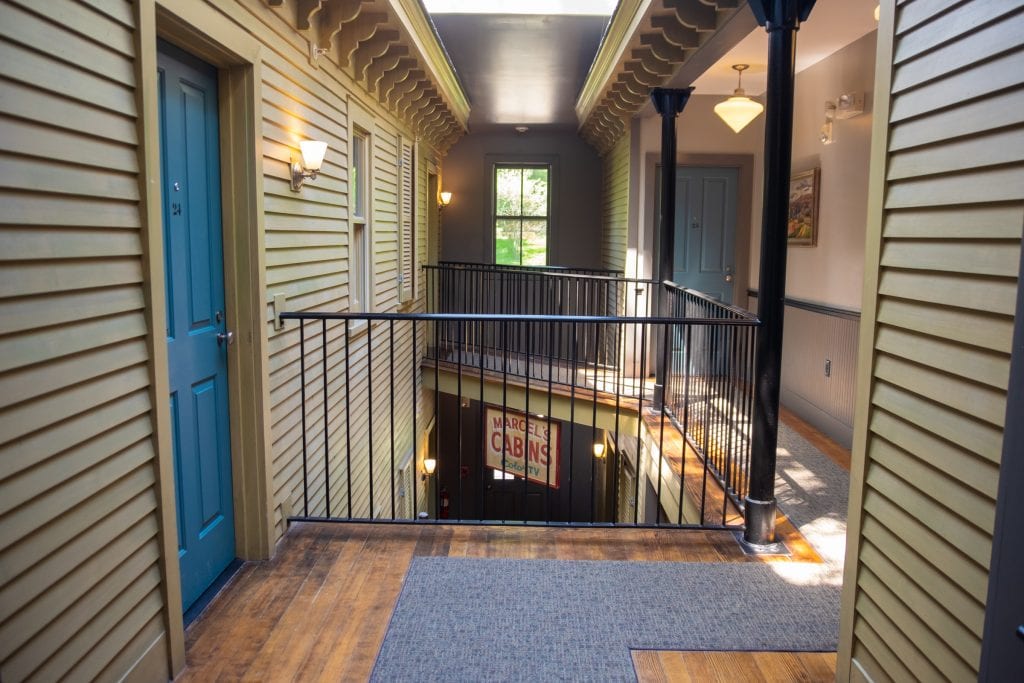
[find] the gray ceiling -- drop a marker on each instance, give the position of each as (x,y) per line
(521,69)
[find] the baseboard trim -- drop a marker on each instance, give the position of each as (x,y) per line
(818,418)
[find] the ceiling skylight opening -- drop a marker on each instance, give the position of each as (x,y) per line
(603,8)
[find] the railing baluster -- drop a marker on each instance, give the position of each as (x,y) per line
(572,416)
(369,407)
(458,407)
(391,401)
(302,397)
(327,450)
(348,420)
(415,410)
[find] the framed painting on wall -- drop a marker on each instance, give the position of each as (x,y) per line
(802,230)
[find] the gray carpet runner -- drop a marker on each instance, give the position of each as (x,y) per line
(461,619)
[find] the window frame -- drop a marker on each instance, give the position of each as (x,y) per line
(496,161)
(361,291)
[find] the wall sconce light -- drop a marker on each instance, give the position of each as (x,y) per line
(429,466)
(309,167)
(826,128)
(738,110)
(599,450)
(446,199)
(846,106)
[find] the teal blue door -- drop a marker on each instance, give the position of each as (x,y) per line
(706,230)
(196,337)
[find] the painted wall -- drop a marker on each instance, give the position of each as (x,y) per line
(576,188)
(829,273)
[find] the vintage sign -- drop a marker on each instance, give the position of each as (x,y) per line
(531,446)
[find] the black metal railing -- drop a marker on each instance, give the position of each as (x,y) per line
(546,291)
(363,438)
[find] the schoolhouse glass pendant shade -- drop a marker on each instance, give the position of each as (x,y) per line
(738,110)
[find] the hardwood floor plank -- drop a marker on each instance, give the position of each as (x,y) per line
(729,667)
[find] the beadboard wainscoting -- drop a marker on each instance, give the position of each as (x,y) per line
(819,365)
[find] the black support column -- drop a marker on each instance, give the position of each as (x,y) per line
(781,19)
(668,102)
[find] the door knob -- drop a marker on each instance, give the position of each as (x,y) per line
(228,337)
(728,277)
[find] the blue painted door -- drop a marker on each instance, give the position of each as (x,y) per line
(190,170)
(706,230)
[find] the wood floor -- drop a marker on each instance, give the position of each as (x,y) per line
(654,666)
(319,610)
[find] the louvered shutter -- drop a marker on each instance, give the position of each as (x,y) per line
(407,274)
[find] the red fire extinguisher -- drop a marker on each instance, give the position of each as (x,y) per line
(446,501)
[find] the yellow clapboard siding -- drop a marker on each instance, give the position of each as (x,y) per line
(56,476)
(74,83)
(1001,110)
(881,542)
(30,244)
(958,462)
(19,26)
(909,624)
(981,186)
(979,365)
(134,632)
(968,397)
(295,239)
(985,331)
(866,669)
(981,80)
(994,258)
(25,313)
(59,113)
(978,509)
(947,25)
(965,537)
(60,579)
(25,418)
(28,383)
(982,43)
(31,347)
(76,631)
(615,205)
(1000,147)
(44,176)
(86,22)
(48,210)
(920,423)
(963,291)
(118,10)
(995,221)
(31,138)
(954,635)
(25,452)
(937,550)
(914,13)
(899,653)
(107,499)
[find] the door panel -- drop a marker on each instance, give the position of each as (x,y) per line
(706,230)
(195,316)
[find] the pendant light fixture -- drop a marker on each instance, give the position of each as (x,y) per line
(738,110)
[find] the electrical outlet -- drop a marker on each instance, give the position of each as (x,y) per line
(828,367)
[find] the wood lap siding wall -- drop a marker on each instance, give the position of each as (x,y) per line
(942,271)
(307,257)
(80,584)
(615,206)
